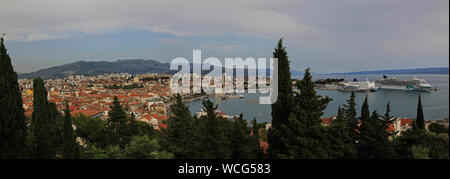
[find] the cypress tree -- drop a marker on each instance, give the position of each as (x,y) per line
(414,137)
(364,121)
(282,108)
(366,131)
(339,114)
(44,122)
(420,122)
(180,136)
(365,112)
(12,119)
(69,142)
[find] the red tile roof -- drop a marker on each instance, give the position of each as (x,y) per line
(405,122)
(326,121)
(85,112)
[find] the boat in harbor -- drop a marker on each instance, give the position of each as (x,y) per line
(232,96)
(357,86)
(395,83)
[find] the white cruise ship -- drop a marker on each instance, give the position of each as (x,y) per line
(397,84)
(357,86)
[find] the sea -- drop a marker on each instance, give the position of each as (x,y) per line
(402,103)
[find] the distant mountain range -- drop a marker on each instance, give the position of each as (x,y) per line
(141,66)
(91,68)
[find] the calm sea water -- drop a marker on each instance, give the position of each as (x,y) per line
(403,103)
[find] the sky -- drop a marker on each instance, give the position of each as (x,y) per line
(326,35)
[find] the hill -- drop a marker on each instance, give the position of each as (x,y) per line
(90,68)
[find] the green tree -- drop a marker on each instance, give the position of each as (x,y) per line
(416,136)
(304,133)
(255,148)
(91,130)
(282,108)
(365,112)
(350,115)
(44,123)
(180,133)
(142,147)
(420,121)
(438,146)
(341,144)
(70,146)
(374,136)
(310,105)
(213,134)
(240,139)
(420,152)
(12,119)
(384,124)
(120,127)
(437,128)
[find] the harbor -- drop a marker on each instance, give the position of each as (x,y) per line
(403,102)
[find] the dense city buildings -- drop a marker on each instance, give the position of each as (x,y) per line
(143,95)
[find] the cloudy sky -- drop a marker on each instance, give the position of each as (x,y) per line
(327,35)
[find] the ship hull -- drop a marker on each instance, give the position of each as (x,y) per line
(404,88)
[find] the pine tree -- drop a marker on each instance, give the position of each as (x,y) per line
(240,139)
(180,136)
(44,122)
(350,108)
(386,121)
(350,115)
(309,103)
(374,141)
(304,132)
(69,141)
(367,146)
(12,119)
(119,130)
(214,134)
(341,144)
(282,108)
